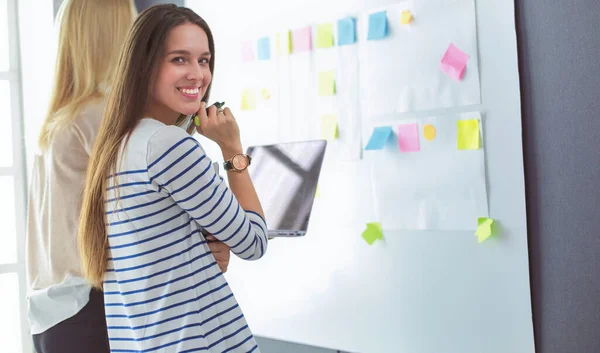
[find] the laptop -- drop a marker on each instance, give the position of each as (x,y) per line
(285,177)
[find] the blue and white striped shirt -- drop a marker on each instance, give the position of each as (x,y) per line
(164,292)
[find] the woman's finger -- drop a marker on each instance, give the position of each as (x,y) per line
(228,113)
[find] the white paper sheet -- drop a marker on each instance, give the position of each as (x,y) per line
(438,188)
(345,104)
(259,75)
(401,73)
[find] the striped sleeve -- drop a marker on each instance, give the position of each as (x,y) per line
(178,166)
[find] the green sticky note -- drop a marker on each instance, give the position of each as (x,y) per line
(284,42)
(373,232)
(329,127)
(468,134)
(484,228)
(325,36)
(248,99)
(327,83)
(197,120)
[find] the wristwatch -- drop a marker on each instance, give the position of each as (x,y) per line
(237,163)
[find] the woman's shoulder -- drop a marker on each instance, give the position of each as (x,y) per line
(162,140)
(162,136)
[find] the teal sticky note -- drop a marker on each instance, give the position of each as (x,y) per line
(378,26)
(378,138)
(347,31)
(264,48)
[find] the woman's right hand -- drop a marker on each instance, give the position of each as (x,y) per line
(219,127)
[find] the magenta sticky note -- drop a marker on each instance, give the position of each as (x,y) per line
(302,39)
(454,62)
(408,138)
(248,51)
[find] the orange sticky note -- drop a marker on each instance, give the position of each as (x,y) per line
(406,17)
(429,132)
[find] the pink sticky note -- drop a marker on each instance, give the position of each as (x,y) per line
(302,40)
(454,62)
(408,138)
(248,51)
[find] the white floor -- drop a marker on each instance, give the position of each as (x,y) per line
(273,346)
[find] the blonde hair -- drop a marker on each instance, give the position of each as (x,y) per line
(90,37)
(136,72)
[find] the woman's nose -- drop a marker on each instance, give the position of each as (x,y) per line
(195,73)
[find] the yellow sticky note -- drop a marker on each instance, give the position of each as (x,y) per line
(406,17)
(329,127)
(325,36)
(484,228)
(327,83)
(429,132)
(265,94)
(372,233)
(468,134)
(248,99)
(283,42)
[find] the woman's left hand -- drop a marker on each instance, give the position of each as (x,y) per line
(220,251)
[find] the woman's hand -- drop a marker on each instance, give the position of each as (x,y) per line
(220,251)
(220,126)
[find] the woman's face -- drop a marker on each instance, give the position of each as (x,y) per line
(183,74)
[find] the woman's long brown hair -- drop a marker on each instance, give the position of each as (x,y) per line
(130,91)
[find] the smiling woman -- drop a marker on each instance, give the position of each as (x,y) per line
(152,194)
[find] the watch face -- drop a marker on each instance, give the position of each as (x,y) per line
(240,162)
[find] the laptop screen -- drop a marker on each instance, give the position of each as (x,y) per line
(285,177)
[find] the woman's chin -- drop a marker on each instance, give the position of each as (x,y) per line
(190,110)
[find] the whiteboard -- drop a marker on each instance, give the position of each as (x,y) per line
(415,291)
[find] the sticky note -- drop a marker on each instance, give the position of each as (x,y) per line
(484,228)
(264,48)
(429,132)
(302,40)
(468,134)
(283,42)
(325,36)
(265,94)
(248,51)
(347,31)
(329,127)
(379,138)
(408,138)
(248,99)
(372,233)
(454,62)
(406,17)
(317,193)
(327,83)
(378,26)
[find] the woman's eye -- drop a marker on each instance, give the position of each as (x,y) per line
(203,61)
(179,59)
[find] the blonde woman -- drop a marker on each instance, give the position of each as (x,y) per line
(65,314)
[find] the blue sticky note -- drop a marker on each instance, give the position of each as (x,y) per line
(379,137)
(347,31)
(264,48)
(378,26)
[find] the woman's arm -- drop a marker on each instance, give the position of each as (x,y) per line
(178,166)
